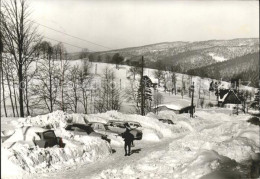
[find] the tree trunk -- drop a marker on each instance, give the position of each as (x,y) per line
(21,86)
(26,96)
(50,84)
(3,86)
(76,100)
(15,97)
(10,93)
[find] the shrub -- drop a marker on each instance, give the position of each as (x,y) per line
(209,105)
(254,120)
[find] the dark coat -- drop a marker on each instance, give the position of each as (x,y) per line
(128,137)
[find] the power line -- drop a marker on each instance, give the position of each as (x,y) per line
(70,35)
(68,44)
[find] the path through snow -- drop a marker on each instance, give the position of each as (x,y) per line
(116,160)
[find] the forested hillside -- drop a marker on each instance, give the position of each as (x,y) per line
(245,68)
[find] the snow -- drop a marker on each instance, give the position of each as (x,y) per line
(213,141)
(217,58)
(215,147)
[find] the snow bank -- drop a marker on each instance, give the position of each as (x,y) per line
(54,120)
(210,137)
(22,159)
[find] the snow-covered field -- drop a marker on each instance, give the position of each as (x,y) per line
(122,78)
(213,142)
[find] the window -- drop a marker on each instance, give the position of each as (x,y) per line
(49,135)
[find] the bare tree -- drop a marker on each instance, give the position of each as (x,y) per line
(158,74)
(109,96)
(19,37)
(84,53)
(131,93)
(3,92)
(157,100)
(72,95)
(47,75)
(174,79)
(60,54)
(183,87)
(85,79)
(7,73)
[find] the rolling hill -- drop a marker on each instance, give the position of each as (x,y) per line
(188,57)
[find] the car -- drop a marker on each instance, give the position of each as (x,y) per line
(101,128)
(134,124)
(85,129)
(48,139)
(34,136)
(119,127)
(167,121)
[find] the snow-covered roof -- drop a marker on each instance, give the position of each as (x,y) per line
(177,105)
(154,80)
(223,98)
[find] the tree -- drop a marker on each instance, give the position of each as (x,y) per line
(135,69)
(46,88)
(72,93)
(145,94)
(19,38)
(173,78)
(132,94)
(158,74)
(8,70)
(84,53)
(85,79)
(257,99)
(117,59)
(109,95)
(157,100)
(61,55)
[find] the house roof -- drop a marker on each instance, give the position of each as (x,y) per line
(225,97)
(177,104)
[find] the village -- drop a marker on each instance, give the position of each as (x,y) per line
(129,90)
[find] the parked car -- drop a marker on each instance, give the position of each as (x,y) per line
(101,128)
(167,121)
(85,129)
(119,127)
(34,136)
(48,139)
(134,124)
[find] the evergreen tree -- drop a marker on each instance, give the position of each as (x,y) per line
(256,100)
(147,83)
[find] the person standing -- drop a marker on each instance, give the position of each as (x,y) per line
(128,138)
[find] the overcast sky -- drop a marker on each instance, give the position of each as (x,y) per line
(120,24)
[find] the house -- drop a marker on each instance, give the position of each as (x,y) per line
(178,107)
(231,100)
(150,81)
(229,97)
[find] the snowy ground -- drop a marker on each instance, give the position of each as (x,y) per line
(212,143)
(122,74)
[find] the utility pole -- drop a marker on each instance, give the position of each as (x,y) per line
(237,85)
(192,96)
(1,51)
(142,89)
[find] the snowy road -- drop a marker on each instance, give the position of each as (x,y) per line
(115,161)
